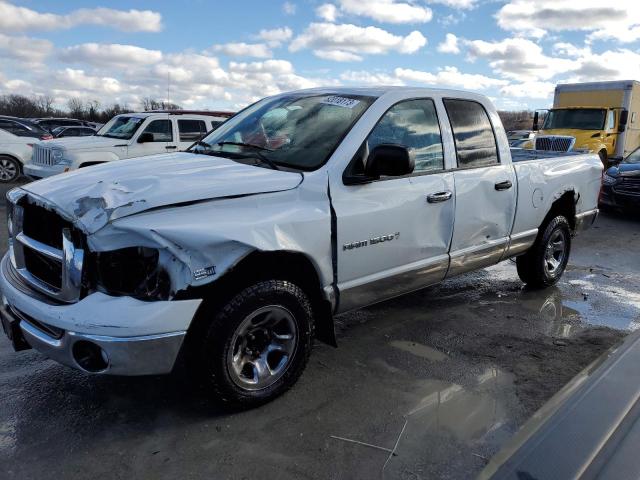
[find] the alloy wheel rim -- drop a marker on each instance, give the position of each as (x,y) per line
(8,170)
(262,348)
(555,253)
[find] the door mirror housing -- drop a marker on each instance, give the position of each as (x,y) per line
(145,137)
(622,122)
(536,118)
(390,160)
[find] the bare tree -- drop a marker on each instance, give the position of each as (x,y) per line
(76,107)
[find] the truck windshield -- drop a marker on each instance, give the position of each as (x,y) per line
(577,118)
(298,131)
(122,128)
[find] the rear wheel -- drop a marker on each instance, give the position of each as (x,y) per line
(9,169)
(543,265)
(257,345)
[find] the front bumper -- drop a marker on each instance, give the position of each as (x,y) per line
(43,171)
(137,338)
(610,198)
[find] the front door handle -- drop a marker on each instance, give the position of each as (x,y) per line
(171,147)
(506,185)
(439,197)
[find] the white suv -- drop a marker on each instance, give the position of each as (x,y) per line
(124,136)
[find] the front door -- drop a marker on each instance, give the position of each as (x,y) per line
(159,138)
(485,190)
(393,234)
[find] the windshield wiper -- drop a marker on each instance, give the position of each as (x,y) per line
(258,150)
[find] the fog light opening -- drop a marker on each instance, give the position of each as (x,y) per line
(90,357)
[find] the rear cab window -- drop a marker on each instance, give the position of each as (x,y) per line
(473,133)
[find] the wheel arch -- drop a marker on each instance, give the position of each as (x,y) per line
(258,265)
(564,204)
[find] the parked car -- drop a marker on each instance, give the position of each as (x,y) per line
(521,138)
(50,123)
(621,184)
(124,136)
(15,151)
(23,128)
(62,132)
(305,205)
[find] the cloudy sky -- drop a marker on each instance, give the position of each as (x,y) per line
(224,54)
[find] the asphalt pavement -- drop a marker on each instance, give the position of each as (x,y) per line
(446,375)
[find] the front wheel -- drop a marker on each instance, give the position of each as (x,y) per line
(258,344)
(543,265)
(9,169)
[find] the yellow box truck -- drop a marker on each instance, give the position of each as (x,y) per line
(599,117)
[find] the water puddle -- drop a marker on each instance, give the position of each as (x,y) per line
(419,350)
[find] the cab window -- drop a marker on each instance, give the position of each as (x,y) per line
(473,133)
(412,124)
(611,120)
(161,130)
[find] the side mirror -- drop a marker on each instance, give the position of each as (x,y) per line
(624,118)
(390,161)
(536,118)
(145,137)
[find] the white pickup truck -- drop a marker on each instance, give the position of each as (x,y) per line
(124,136)
(305,205)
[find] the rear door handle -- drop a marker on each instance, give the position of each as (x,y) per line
(506,185)
(439,197)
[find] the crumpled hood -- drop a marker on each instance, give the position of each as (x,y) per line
(92,197)
(83,143)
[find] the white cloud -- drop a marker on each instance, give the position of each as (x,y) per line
(618,20)
(449,77)
(328,12)
(450,44)
(518,58)
(533,89)
(24,49)
(19,19)
(457,4)
(337,55)
(364,77)
(289,8)
(275,37)
(330,40)
(110,55)
(241,49)
(388,11)
(70,79)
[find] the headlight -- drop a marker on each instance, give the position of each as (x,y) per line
(14,211)
(133,271)
(609,180)
(57,155)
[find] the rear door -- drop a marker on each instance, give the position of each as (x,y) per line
(190,131)
(390,238)
(485,189)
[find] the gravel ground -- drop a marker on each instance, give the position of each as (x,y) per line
(448,373)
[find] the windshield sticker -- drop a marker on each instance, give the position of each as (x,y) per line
(341,101)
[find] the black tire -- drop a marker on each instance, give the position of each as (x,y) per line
(10,169)
(213,354)
(534,267)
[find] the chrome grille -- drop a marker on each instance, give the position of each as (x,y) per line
(555,143)
(52,261)
(42,155)
(630,185)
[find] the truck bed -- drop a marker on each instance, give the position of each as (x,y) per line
(523,154)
